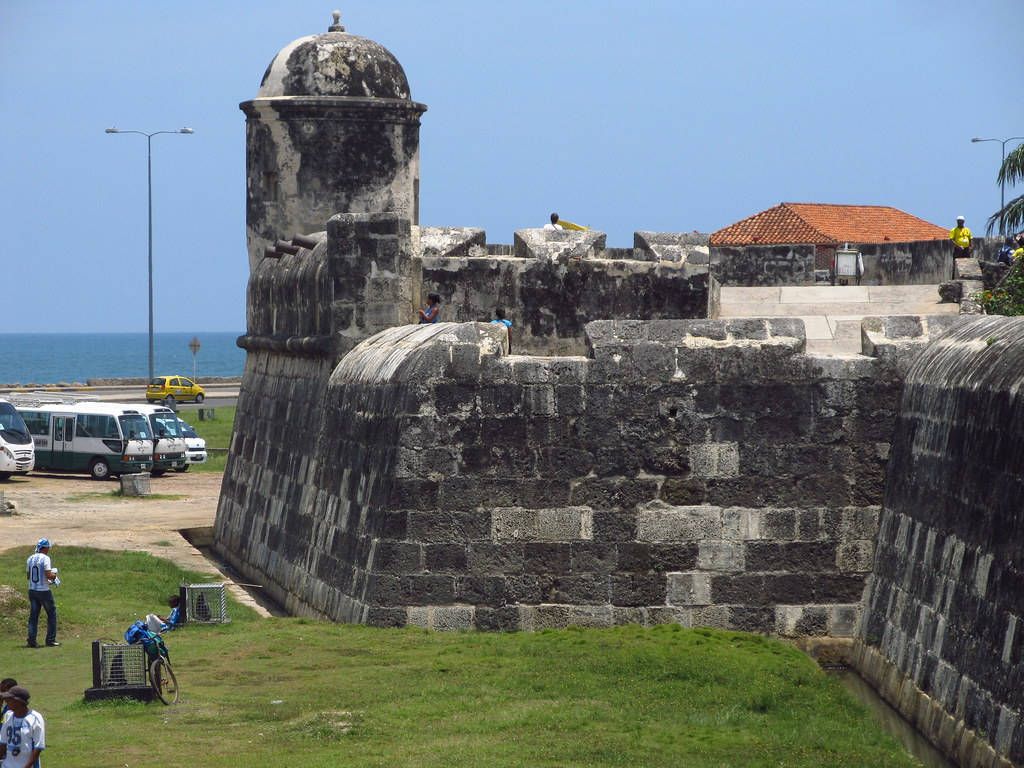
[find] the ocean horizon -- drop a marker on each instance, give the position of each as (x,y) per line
(55,358)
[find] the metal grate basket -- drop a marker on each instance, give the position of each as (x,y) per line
(121,664)
(206,603)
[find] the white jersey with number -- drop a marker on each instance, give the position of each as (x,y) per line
(22,735)
(37,565)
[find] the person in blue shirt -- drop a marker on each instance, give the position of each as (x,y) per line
(433,310)
(499,317)
(157,624)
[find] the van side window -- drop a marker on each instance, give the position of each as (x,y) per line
(97,425)
(37,423)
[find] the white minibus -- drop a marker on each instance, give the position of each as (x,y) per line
(169,448)
(17,453)
(75,435)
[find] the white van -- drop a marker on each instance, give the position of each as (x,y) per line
(75,435)
(17,454)
(195,446)
(169,448)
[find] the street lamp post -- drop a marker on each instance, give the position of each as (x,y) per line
(149,182)
(1002,184)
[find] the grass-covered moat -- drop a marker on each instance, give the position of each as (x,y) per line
(260,692)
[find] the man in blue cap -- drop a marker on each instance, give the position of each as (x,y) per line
(41,574)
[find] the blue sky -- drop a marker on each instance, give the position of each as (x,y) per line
(671,116)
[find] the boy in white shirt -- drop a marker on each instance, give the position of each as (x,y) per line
(22,732)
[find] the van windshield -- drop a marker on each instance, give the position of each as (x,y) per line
(165,424)
(135,427)
(12,426)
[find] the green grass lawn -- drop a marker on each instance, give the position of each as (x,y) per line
(268,692)
(216,433)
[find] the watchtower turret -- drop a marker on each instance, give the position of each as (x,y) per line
(331,130)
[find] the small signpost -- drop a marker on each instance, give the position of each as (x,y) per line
(194,345)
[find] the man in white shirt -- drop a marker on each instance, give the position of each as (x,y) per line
(41,574)
(554,222)
(22,732)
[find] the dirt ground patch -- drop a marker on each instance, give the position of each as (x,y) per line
(45,507)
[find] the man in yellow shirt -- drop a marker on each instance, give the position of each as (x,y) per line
(961,237)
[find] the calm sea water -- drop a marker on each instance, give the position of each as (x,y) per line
(51,358)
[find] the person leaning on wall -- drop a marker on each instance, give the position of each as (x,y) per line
(432,311)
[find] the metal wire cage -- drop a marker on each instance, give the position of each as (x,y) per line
(206,603)
(121,664)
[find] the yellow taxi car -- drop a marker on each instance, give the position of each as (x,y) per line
(171,389)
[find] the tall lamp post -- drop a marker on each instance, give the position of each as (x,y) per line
(149,181)
(1002,184)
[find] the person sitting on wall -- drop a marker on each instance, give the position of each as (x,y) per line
(157,623)
(433,310)
(553,224)
(1018,255)
(1005,255)
(961,237)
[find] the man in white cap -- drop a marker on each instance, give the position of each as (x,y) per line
(22,732)
(41,574)
(961,237)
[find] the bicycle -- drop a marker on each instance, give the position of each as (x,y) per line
(162,679)
(161,674)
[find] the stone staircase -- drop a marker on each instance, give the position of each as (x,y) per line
(832,314)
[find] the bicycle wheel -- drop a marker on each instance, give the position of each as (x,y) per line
(164,683)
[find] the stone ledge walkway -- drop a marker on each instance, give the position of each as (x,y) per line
(832,314)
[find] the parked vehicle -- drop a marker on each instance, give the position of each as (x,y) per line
(169,445)
(195,447)
(71,434)
(17,453)
(174,389)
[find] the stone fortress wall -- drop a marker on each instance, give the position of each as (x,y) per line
(678,470)
(628,459)
(942,636)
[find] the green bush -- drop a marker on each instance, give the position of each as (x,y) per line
(1008,297)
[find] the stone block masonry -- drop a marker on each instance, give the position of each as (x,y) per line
(693,471)
(942,633)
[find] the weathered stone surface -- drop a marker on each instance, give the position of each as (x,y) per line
(452,242)
(559,246)
(676,247)
(946,590)
(550,303)
(314,122)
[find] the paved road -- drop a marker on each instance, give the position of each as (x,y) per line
(216,394)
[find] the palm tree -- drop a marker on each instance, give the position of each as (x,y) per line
(1012,214)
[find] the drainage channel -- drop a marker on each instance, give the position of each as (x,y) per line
(904,732)
(202,540)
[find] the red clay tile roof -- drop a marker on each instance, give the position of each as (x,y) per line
(821,223)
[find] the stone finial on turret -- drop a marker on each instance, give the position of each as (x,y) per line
(336,26)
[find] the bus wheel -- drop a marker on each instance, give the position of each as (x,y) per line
(99,469)
(4,475)
(157,473)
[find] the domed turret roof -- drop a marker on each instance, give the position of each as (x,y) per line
(335,63)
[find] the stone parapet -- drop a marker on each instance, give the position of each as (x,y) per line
(558,245)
